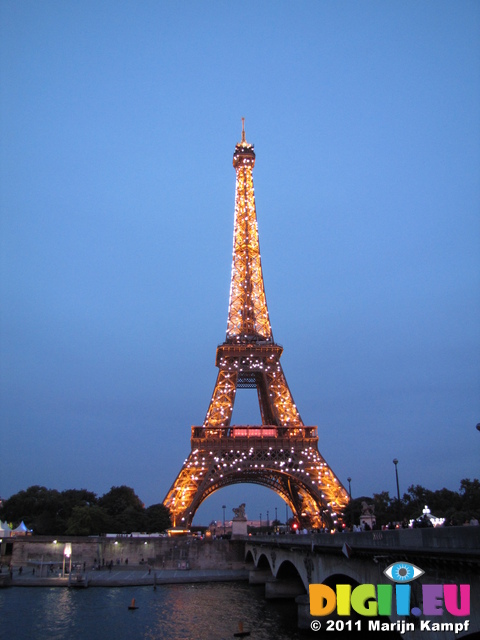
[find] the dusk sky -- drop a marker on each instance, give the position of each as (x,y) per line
(118,122)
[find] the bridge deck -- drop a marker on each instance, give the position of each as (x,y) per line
(458,542)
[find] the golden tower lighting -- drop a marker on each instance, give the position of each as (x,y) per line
(281,453)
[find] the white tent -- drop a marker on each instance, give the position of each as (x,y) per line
(5,530)
(430,518)
(21,530)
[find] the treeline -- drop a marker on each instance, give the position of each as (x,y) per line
(78,512)
(456,507)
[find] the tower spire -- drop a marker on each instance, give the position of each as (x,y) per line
(248,319)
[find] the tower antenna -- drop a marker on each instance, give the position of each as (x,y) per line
(243,129)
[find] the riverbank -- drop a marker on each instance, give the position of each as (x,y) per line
(48,557)
(123,577)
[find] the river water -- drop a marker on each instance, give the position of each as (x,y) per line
(171,612)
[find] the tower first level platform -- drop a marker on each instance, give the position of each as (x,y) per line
(266,455)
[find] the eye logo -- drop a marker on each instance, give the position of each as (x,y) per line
(403,572)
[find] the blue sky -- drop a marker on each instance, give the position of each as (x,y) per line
(118,125)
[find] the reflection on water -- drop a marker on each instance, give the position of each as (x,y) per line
(174,612)
(215,611)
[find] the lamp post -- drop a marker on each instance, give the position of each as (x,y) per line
(224,507)
(395,462)
(260,520)
(349,487)
(67,553)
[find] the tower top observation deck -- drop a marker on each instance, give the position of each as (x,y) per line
(244,155)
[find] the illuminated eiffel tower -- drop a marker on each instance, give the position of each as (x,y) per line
(281,453)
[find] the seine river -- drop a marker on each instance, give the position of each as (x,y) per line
(171,612)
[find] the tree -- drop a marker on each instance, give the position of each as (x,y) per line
(131,519)
(88,520)
(125,508)
(79,512)
(78,497)
(38,507)
(416,498)
(443,501)
(385,508)
(158,518)
(470,493)
(455,507)
(118,499)
(70,499)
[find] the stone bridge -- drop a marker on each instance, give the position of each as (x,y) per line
(288,564)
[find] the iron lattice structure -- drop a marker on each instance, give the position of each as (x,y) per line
(281,453)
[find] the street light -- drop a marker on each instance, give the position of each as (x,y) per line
(395,462)
(349,487)
(224,507)
(67,553)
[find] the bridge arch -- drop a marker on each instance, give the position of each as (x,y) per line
(284,562)
(340,578)
(263,562)
(288,571)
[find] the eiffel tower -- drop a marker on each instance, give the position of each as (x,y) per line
(281,453)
